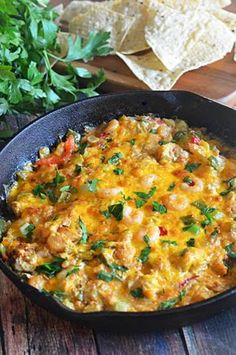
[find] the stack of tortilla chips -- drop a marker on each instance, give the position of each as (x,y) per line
(158,40)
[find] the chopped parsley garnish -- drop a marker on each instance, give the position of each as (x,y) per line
(98,245)
(59,179)
(144,197)
(146,239)
(105,276)
(169,242)
(191,167)
(208,212)
(144,255)
(162,142)
(116,211)
(68,188)
(52,196)
(191,242)
(158,207)
(72,271)
(172,301)
(39,191)
(153,131)
(187,220)
(118,171)
(132,141)
(115,159)
(27,230)
(78,169)
(171,187)
(229,250)
(178,136)
(81,147)
(84,232)
(52,268)
(106,213)
(137,292)
(188,180)
(192,228)
(215,233)
(231,186)
(92,185)
(214,162)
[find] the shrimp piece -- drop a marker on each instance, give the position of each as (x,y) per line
(148,180)
(197,186)
(175,202)
(153,232)
(171,152)
(112,126)
(110,192)
(132,217)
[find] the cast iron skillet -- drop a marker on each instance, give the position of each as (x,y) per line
(196,110)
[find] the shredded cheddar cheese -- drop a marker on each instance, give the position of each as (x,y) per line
(138,214)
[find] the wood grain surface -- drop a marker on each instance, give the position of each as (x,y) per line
(26,329)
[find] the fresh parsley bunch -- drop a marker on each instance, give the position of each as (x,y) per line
(28,43)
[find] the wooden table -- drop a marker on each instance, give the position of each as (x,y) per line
(27,329)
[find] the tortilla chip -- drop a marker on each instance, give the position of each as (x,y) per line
(106,20)
(186,5)
(76,8)
(134,40)
(213,44)
(171,33)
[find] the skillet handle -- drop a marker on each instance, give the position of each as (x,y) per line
(229,100)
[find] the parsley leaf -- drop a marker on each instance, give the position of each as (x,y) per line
(167,241)
(116,211)
(229,250)
(28,78)
(171,187)
(144,197)
(27,230)
(105,276)
(191,167)
(118,171)
(52,268)
(137,292)
(92,185)
(100,244)
(172,301)
(158,207)
(190,242)
(115,159)
(84,232)
(144,255)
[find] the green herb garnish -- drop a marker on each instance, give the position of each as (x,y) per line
(137,292)
(231,186)
(191,242)
(105,276)
(115,159)
(118,171)
(171,187)
(27,230)
(99,245)
(214,162)
(173,301)
(78,169)
(229,250)
(215,233)
(116,211)
(92,185)
(144,197)
(84,232)
(52,268)
(169,242)
(158,207)
(74,270)
(192,228)
(144,255)
(132,141)
(191,167)
(81,147)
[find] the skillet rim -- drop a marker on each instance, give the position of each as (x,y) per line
(11,274)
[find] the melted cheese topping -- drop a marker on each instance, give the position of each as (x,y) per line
(136,216)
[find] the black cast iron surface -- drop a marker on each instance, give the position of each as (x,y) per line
(195,110)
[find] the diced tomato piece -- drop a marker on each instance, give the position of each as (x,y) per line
(195,140)
(163,231)
(69,147)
